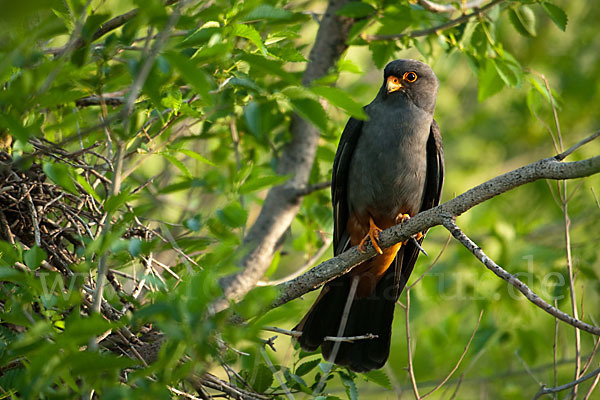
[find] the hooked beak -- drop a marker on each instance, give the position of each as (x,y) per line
(393,84)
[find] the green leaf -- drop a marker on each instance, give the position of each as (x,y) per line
(505,72)
(382,52)
(181,166)
(523,19)
(379,377)
(348,66)
(113,202)
(287,53)
(341,99)
(248,32)
(557,15)
(233,215)
(262,182)
(263,378)
(197,156)
(60,174)
(312,111)
(356,9)
(87,187)
(34,256)
(267,11)
(348,382)
(191,74)
(306,367)
(489,82)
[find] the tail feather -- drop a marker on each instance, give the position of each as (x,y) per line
(372,314)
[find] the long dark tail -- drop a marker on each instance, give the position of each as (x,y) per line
(373,314)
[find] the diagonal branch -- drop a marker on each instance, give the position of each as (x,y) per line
(513,280)
(544,390)
(548,168)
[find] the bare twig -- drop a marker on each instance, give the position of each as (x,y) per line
(432,264)
(340,332)
(349,339)
(435,29)
(592,387)
(103,263)
(411,372)
(312,188)
(459,360)
(513,280)
(555,348)
(308,264)
(582,142)
(544,390)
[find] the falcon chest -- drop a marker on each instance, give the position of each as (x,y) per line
(389,164)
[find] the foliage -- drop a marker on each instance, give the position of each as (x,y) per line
(188,105)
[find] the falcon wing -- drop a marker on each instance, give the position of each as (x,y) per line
(434,180)
(339,184)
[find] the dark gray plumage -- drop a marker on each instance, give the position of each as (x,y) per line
(387,166)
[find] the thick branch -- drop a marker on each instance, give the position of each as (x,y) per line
(282,202)
(548,168)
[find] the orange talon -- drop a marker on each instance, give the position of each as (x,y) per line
(373,235)
(402,218)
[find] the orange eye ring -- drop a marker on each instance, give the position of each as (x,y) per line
(410,76)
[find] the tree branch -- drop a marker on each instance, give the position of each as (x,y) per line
(106,27)
(544,390)
(448,8)
(548,168)
(513,280)
(424,32)
(282,202)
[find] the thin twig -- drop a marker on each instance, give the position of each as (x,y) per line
(555,348)
(432,264)
(295,334)
(513,280)
(103,263)
(544,390)
(411,372)
(582,142)
(340,332)
(313,188)
(459,360)
(307,265)
(592,387)
(288,393)
(435,29)
(527,369)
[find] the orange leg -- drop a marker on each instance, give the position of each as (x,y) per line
(373,235)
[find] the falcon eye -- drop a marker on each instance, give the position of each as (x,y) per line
(410,76)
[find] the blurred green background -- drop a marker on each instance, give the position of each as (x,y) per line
(203,142)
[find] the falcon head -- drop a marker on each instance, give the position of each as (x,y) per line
(412,80)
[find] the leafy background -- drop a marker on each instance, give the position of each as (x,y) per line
(201,144)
